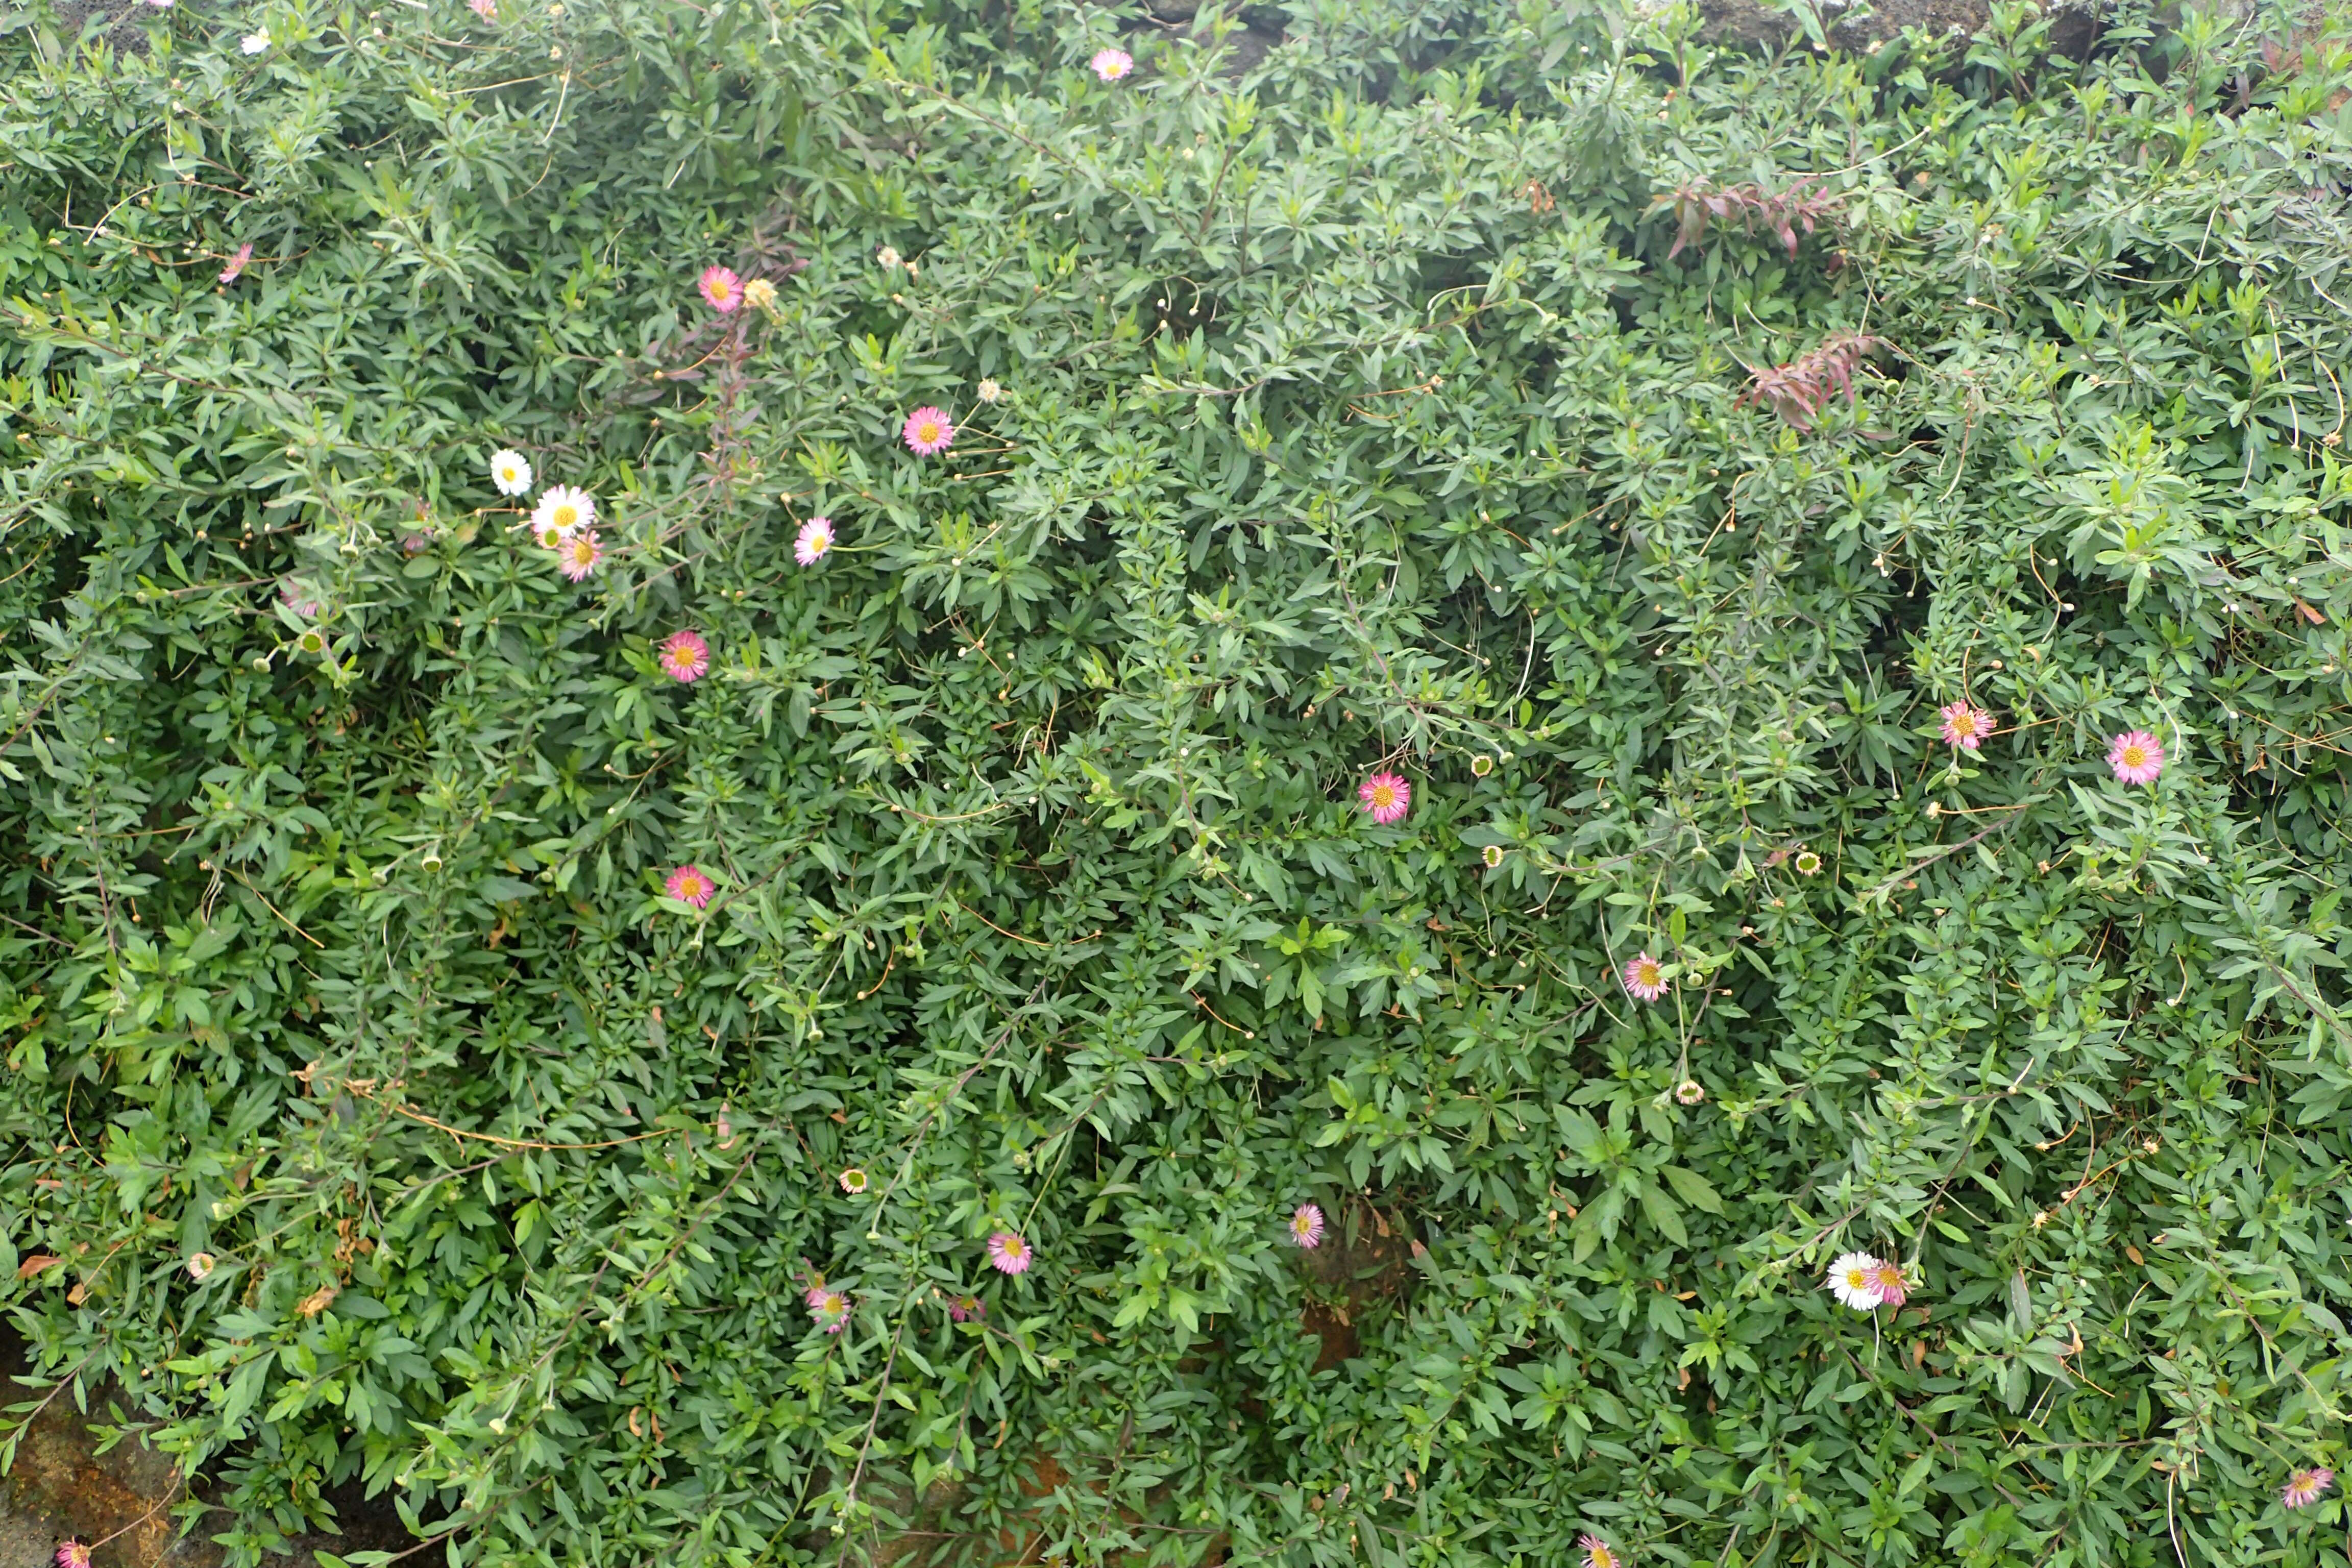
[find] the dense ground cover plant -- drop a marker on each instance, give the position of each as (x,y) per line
(769,767)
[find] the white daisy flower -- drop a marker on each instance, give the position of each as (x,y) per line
(510,471)
(254,43)
(1853,1281)
(563,512)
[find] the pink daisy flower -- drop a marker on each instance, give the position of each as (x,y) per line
(1888,1278)
(829,1308)
(1386,796)
(1599,1553)
(577,556)
(488,10)
(72,1554)
(236,264)
(1306,1226)
(685,657)
(1009,1254)
(815,539)
(1111,64)
(2304,1488)
(1645,977)
(690,885)
(721,288)
(2137,757)
(967,1309)
(299,597)
(928,430)
(1965,725)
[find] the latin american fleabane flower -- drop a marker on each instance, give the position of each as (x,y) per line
(1808,862)
(815,539)
(1689,1092)
(1892,1287)
(988,390)
(1599,1553)
(1645,977)
(2304,1488)
(509,471)
(829,1308)
(254,43)
(1965,725)
(72,1554)
(1306,1226)
(1853,1281)
(887,257)
(1481,766)
(853,1179)
(1492,855)
(235,267)
(721,289)
(1008,1254)
(563,511)
(928,430)
(200,1266)
(299,597)
(967,1309)
(1111,64)
(2135,756)
(691,885)
(1386,797)
(578,555)
(685,657)
(760,294)
(488,10)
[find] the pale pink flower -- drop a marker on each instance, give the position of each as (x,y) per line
(73,1553)
(690,885)
(1690,1091)
(816,538)
(1965,725)
(967,1309)
(1306,1226)
(1111,64)
(1853,1281)
(829,1308)
(685,657)
(299,597)
(853,1179)
(577,556)
(1645,977)
(928,430)
(488,10)
(236,264)
(1599,1553)
(1891,1285)
(2137,757)
(721,288)
(2304,1488)
(1386,796)
(200,1266)
(1009,1254)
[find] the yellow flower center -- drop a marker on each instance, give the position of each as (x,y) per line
(819,543)
(2134,757)
(927,431)
(566,515)
(1647,973)
(1964,723)
(1857,1279)
(1384,797)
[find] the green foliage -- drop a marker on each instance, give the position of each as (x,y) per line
(1356,416)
